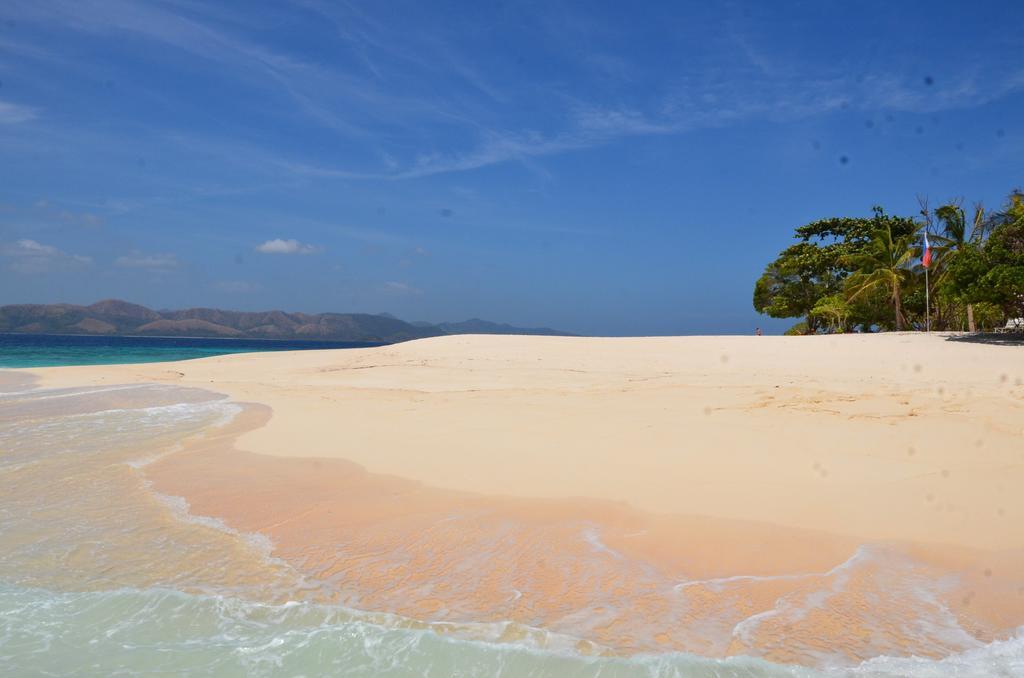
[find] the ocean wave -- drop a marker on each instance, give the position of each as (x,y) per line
(216,630)
(29,439)
(127,631)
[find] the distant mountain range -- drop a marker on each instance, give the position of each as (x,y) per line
(114,317)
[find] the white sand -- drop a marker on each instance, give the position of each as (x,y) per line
(900,436)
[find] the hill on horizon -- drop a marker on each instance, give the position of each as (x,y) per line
(113,317)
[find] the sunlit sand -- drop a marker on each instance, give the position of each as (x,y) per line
(813,500)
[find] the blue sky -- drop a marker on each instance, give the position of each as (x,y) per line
(599,167)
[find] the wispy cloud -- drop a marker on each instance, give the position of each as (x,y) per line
(335,98)
(374,89)
(400,289)
(52,213)
(12,114)
(153,22)
(152,262)
(31,256)
(286,246)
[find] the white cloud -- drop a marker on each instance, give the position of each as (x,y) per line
(11,114)
(282,246)
(153,262)
(400,289)
(31,248)
(31,256)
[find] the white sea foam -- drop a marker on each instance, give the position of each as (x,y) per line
(591,536)
(172,632)
(135,630)
(179,507)
(861,554)
(50,394)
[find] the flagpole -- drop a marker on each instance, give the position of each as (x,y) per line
(926,260)
(927,303)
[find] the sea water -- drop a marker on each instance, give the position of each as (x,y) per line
(100,575)
(48,350)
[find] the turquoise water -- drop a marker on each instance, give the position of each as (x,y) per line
(48,350)
(133,631)
(127,632)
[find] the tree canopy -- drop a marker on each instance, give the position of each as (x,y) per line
(865,273)
(993,270)
(819,266)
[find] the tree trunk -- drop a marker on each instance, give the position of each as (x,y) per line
(897,304)
(971,327)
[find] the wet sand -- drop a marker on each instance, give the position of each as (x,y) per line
(810,500)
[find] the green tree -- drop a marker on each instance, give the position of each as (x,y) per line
(884,263)
(993,271)
(834,310)
(816,267)
(1004,252)
(956,236)
(792,284)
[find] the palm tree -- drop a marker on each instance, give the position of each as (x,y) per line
(883,263)
(955,236)
(835,310)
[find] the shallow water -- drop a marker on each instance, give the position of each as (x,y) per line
(47,350)
(99,574)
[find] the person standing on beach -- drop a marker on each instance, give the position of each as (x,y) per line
(757,331)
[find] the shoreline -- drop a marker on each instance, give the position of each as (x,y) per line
(766,428)
(581,523)
(733,496)
(334,522)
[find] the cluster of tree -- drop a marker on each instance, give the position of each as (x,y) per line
(866,274)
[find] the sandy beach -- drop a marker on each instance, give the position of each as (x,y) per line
(580,483)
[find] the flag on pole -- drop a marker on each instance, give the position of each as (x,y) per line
(926,258)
